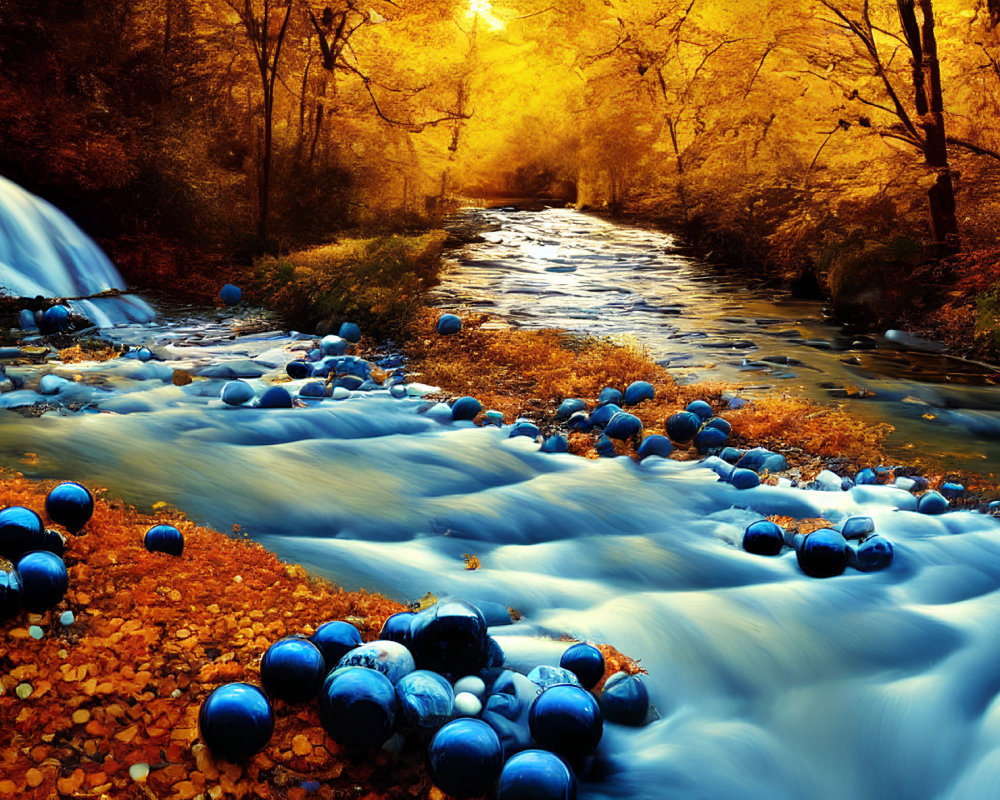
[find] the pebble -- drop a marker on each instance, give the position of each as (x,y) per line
(66,618)
(340,393)
(138,772)
(467,704)
(35,632)
(471,684)
(24,690)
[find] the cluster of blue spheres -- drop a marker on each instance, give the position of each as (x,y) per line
(438,675)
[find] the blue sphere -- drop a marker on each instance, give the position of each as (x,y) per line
(763,538)
(952,490)
(823,553)
(865,476)
(357,707)
(398,391)
(524,428)
(610,395)
(466,408)
(350,332)
(43,580)
(655,445)
(144,354)
(298,369)
(625,699)
(10,594)
(700,408)
(602,415)
(464,758)
(236,393)
(569,407)
(682,427)
(55,319)
(334,640)
(292,669)
(744,478)
(857,527)
(586,662)
(566,720)
(21,530)
(230,294)
(276,397)
(720,423)
(70,505)
(236,721)
(333,345)
(638,391)
(536,775)
(450,637)
(425,700)
(932,503)
(448,324)
(709,438)
(874,553)
(164,539)
(390,658)
(623,426)
(27,320)
(397,628)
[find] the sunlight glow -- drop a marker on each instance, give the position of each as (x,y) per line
(484,9)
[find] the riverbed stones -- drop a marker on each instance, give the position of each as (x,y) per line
(586,662)
(763,538)
(570,406)
(390,658)
(276,397)
(655,445)
(297,370)
(350,331)
(54,320)
(536,775)
(44,581)
(466,408)
(623,426)
(709,438)
(602,415)
(358,707)
(236,721)
(873,553)
(164,539)
(699,407)
(932,503)
(822,553)
(744,478)
(425,700)
(21,530)
(566,720)
(683,426)
(450,637)
(557,443)
(236,393)
(524,427)
(625,699)
(609,394)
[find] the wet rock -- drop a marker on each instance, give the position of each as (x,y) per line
(570,406)
(701,408)
(450,637)
(10,594)
(932,503)
(874,553)
(472,684)
(625,699)
(602,415)
(638,391)
(610,395)
(313,390)
(865,476)
(605,447)
(857,527)
(623,426)
(744,478)
(276,397)
(297,370)
(236,393)
(580,421)
(448,324)
(524,428)
(26,319)
(952,491)
(556,443)
(763,538)
(536,775)
(44,580)
(710,438)
(683,426)
(586,662)
(21,531)
(350,331)
(425,700)
(655,445)
(333,345)
(358,708)
(466,408)
(467,704)
(822,553)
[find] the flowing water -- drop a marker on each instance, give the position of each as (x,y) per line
(768,684)
(561,268)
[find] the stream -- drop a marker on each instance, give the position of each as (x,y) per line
(767,683)
(562,268)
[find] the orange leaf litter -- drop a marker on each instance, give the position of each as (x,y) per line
(153,635)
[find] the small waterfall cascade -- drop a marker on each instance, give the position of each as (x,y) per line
(43,252)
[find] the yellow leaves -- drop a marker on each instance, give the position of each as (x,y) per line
(471,561)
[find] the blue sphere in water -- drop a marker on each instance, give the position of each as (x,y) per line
(566,720)
(298,369)
(638,391)
(448,324)
(276,397)
(10,594)
(700,408)
(709,438)
(683,426)
(823,553)
(21,530)
(236,393)
(655,445)
(236,721)
(164,539)
(230,294)
(357,707)
(464,758)
(292,669)
(610,395)
(932,503)
(467,408)
(144,354)
(865,476)
(763,538)
(874,553)
(450,637)
(70,505)
(602,415)
(425,699)
(536,775)
(586,662)
(350,331)
(625,699)
(43,580)
(397,628)
(334,640)
(623,426)
(744,478)
(55,319)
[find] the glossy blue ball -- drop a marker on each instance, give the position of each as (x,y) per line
(10,594)
(236,721)
(683,426)
(874,553)
(744,478)
(298,369)
(464,758)
(569,407)
(334,640)
(823,553)
(292,669)
(236,393)
(655,445)
(390,658)
(638,391)
(932,503)
(450,637)
(425,699)
(357,707)
(448,324)
(231,295)
(536,775)
(397,628)
(709,438)
(466,408)
(144,354)
(625,699)
(43,580)
(623,426)
(566,720)
(55,319)
(350,332)
(763,538)
(164,539)
(586,662)
(70,505)
(276,397)
(699,407)
(610,395)
(602,415)
(21,530)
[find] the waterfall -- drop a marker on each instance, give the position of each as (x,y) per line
(43,252)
